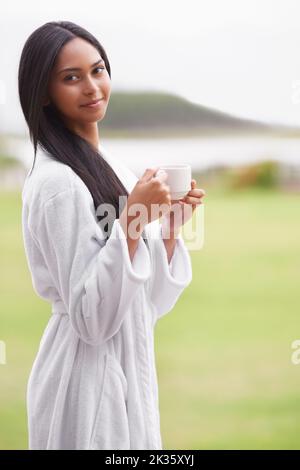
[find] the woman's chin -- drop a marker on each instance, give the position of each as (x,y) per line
(91,119)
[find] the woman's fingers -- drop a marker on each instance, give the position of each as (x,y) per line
(148,174)
(193,183)
(192,200)
(196,192)
(161,175)
(194,196)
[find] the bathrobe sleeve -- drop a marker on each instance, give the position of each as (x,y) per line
(169,279)
(97,282)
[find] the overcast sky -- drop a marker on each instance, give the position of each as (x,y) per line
(239,56)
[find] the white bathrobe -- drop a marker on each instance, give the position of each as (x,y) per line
(93,383)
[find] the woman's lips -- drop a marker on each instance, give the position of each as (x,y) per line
(93,105)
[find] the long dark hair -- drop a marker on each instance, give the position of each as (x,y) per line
(46,128)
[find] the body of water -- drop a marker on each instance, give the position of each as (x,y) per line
(200,153)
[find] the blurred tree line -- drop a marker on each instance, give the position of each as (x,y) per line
(264,175)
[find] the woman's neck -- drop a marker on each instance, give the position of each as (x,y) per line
(88,132)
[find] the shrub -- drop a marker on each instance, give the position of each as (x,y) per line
(260,175)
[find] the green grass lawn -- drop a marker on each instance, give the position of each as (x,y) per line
(226,379)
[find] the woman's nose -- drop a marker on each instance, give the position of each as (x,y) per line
(90,86)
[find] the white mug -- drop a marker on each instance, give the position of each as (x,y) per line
(179,179)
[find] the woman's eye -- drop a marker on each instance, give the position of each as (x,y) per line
(99,68)
(69,77)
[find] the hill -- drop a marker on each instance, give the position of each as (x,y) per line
(150,113)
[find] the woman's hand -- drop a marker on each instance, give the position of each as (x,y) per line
(150,191)
(181,211)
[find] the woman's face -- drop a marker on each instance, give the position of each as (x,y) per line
(86,80)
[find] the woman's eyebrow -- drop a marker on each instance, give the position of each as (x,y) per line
(69,69)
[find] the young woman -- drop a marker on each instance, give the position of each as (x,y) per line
(93,384)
